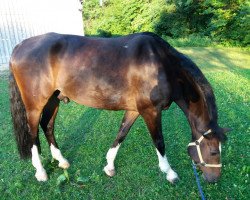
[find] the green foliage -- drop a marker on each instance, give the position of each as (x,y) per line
(121,17)
(192,40)
(222,21)
(61,179)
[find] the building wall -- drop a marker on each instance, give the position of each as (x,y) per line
(21,19)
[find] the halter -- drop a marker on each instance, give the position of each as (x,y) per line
(197,144)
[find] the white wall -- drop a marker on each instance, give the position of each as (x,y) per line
(21,19)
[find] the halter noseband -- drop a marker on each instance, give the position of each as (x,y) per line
(197,144)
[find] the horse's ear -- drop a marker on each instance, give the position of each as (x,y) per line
(221,133)
(226,130)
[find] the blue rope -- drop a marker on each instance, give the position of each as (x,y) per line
(198,182)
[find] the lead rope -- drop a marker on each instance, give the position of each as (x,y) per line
(198,182)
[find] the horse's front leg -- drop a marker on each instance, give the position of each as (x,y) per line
(128,120)
(152,117)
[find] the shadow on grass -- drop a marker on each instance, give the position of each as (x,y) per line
(71,129)
(220,60)
(80,127)
(221,56)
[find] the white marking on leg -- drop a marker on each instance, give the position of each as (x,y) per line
(163,162)
(56,154)
(165,168)
(111,155)
(220,147)
(41,174)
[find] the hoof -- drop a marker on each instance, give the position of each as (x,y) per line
(172,177)
(41,175)
(64,164)
(109,172)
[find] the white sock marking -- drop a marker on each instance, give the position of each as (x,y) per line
(56,154)
(163,162)
(111,157)
(165,167)
(41,174)
(220,147)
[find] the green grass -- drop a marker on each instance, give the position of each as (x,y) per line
(85,135)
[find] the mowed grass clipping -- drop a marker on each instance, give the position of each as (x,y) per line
(85,134)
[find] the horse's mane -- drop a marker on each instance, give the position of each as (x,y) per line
(194,73)
(192,70)
(206,91)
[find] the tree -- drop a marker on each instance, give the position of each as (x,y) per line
(225,21)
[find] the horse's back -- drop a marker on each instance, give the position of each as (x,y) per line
(29,45)
(42,47)
(109,73)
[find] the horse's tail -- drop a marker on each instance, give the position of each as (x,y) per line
(19,118)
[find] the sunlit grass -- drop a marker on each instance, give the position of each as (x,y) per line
(84,136)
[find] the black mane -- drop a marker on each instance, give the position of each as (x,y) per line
(206,90)
(190,68)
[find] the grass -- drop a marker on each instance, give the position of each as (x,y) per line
(85,134)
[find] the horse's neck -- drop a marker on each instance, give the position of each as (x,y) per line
(189,95)
(196,115)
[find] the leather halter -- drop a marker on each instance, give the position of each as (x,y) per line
(197,145)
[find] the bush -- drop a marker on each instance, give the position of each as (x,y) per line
(187,22)
(189,41)
(103,33)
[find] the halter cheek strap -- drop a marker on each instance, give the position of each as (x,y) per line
(197,145)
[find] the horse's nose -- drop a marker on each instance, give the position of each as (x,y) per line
(211,178)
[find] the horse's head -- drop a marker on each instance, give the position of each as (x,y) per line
(205,152)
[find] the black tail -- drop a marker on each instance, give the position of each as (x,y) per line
(19,118)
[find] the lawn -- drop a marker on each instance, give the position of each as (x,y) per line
(85,134)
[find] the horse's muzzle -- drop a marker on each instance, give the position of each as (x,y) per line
(211,178)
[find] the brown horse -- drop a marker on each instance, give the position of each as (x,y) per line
(139,73)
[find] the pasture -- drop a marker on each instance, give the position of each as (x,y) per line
(84,136)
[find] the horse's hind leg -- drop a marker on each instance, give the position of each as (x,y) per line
(47,123)
(152,117)
(128,120)
(33,121)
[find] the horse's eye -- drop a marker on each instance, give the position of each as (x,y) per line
(214,153)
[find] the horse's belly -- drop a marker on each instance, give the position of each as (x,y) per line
(109,100)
